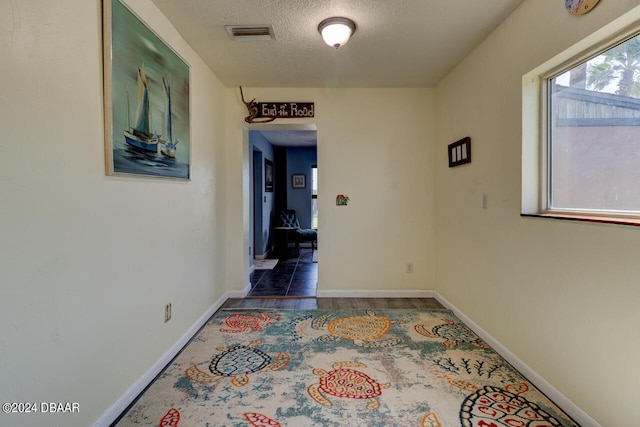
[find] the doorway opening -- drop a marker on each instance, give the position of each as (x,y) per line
(284,177)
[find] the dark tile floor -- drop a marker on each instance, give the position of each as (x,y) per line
(295,276)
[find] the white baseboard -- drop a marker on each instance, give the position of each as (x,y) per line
(113,412)
(262,256)
(543,385)
(550,391)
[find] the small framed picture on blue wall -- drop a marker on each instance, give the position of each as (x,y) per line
(298,181)
(268,175)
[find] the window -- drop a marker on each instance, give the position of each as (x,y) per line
(581,129)
(594,134)
(314,197)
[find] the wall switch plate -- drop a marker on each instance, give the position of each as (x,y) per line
(409,268)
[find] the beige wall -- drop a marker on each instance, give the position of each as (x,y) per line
(88,261)
(376,146)
(561,295)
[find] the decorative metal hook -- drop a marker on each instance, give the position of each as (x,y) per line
(252,107)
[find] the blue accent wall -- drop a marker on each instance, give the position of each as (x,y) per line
(299,161)
(261,148)
(262,204)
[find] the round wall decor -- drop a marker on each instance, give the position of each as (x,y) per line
(580,7)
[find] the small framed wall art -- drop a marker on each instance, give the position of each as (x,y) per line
(460,152)
(298,181)
(268,176)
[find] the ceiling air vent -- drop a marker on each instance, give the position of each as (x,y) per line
(250,32)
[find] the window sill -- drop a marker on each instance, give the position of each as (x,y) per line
(635,222)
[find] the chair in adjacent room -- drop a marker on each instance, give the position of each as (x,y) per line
(288,218)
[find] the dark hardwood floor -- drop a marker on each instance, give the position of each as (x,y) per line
(292,284)
(293,276)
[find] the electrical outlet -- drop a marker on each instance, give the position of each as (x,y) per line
(409,268)
(167,313)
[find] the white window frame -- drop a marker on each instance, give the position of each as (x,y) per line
(535,122)
(314,196)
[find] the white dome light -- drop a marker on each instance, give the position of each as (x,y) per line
(336,31)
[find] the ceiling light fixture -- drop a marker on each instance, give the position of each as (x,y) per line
(337,31)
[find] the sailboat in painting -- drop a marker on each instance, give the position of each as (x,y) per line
(168,145)
(140,135)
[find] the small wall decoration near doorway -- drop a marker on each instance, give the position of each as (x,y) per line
(342,200)
(460,152)
(298,181)
(268,175)
(146,99)
(580,7)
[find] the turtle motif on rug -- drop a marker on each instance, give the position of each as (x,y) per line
(260,420)
(241,322)
(493,406)
(237,363)
(453,333)
(364,331)
(348,383)
(431,420)
(170,419)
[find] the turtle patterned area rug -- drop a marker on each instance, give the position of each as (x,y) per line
(341,367)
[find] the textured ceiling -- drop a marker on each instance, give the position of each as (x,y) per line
(398,43)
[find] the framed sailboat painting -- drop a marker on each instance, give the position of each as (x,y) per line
(146,97)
